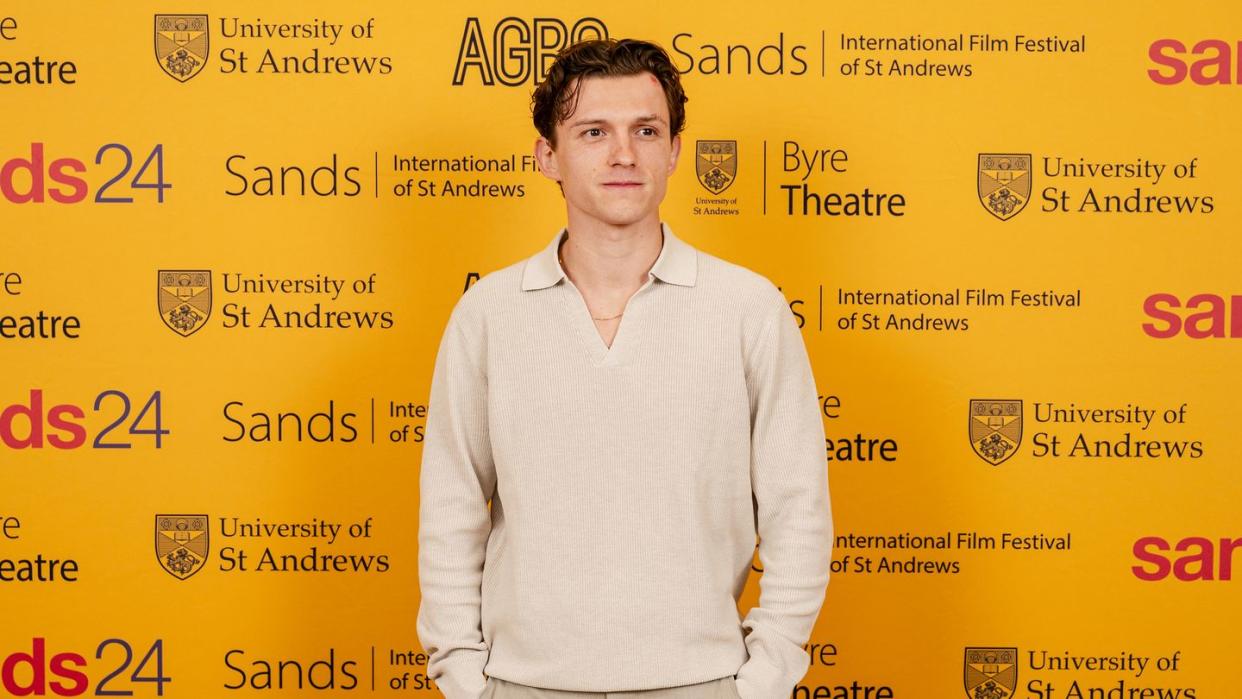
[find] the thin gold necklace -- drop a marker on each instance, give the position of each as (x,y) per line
(562,261)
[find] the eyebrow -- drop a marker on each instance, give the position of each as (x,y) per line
(650,118)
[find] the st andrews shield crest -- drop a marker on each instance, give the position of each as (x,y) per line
(995,428)
(181,543)
(181,44)
(991,673)
(1004,183)
(716,164)
(184,299)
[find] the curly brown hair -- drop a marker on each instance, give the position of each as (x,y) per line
(556,98)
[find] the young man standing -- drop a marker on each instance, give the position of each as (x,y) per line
(636,411)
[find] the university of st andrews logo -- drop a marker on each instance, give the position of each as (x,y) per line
(991,673)
(181,543)
(995,428)
(716,164)
(1004,183)
(184,299)
(181,44)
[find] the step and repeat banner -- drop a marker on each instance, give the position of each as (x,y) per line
(232,234)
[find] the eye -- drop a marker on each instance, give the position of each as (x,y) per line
(593,132)
(649,131)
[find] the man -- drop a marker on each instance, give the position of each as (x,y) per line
(636,411)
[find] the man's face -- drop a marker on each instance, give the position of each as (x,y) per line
(613,155)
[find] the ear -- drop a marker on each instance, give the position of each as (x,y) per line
(546,157)
(672,162)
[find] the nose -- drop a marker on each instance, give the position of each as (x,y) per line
(622,150)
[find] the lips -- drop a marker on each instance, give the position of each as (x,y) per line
(623,184)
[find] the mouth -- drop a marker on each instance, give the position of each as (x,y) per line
(623,184)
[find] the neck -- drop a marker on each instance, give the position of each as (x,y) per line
(603,257)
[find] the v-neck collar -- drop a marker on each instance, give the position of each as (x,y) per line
(677,263)
(579,314)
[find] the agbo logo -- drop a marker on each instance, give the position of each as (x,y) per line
(518,52)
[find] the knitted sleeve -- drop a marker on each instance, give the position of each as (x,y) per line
(789,480)
(456,481)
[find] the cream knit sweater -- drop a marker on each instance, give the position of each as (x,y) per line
(627,485)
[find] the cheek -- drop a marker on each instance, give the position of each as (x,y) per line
(658,154)
(576,186)
(661,164)
(577,164)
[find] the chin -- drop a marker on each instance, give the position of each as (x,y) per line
(627,220)
(630,214)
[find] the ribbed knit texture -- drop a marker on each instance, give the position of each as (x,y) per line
(627,485)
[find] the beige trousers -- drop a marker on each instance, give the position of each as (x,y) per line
(723,688)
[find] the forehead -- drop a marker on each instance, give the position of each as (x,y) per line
(619,98)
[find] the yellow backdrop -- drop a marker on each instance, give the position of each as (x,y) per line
(231,238)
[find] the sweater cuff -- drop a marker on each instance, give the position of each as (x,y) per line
(462,677)
(771,673)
